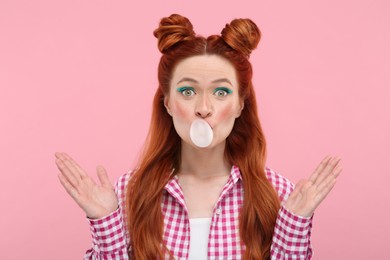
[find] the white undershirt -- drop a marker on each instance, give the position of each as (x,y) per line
(199,237)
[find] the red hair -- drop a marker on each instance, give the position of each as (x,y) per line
(177,41)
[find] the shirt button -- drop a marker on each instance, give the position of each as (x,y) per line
(218,211)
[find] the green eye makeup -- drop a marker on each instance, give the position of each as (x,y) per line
(222,91)
(227,90)
(186,91)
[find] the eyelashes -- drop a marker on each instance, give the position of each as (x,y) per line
(186,91)
(190,91)
(222,92)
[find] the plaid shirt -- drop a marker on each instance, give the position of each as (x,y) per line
(291,238)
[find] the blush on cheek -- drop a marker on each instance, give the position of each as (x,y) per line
(179,110)
(225,113)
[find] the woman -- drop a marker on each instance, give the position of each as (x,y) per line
(201,190)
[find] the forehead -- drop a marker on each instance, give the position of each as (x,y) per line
(204,68)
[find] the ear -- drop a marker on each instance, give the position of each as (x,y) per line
(166,104)
(240,109)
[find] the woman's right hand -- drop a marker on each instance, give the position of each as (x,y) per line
(96,200)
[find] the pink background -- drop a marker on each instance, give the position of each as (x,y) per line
(79,76)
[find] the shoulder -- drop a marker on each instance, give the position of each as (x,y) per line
(281,184)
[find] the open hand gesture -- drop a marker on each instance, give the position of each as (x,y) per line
(308,194)
(96,201)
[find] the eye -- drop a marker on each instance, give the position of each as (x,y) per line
(222,92)
(186,91)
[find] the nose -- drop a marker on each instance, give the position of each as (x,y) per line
(203,107)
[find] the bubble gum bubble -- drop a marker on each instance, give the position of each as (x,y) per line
(201,133)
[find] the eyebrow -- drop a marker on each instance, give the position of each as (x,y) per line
(214,81)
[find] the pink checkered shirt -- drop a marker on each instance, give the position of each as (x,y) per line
(291,240)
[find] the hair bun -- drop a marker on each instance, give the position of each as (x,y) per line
(173,29)
(242,35)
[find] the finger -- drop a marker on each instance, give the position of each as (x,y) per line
(76,165)
(324,185)
(299,185)
(298,195)
(66,172)
(68,164)
(297,190)
(337,171)
(73,169)
(319,168)
(325,191)
(103,177)
(68,186)
(332,164)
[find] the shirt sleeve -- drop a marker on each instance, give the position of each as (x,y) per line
(291,239)
(109,234)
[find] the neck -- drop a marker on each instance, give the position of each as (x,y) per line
(204,162)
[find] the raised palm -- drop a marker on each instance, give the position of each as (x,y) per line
(308,194)
(96,200)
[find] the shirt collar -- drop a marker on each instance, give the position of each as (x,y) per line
(235,176)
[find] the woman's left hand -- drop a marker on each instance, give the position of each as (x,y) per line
(308,194)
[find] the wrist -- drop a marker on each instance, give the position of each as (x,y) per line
(100,214)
